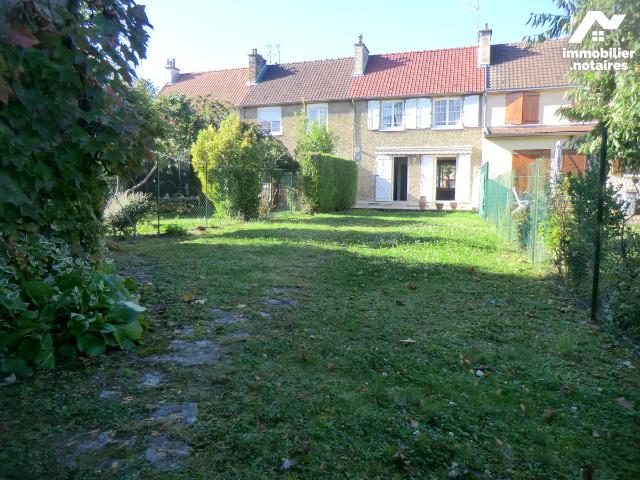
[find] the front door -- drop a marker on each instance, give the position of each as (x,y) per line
(384,176)
(400,175)
(446,179)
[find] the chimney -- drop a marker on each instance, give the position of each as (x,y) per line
(172,73)
(256,66)
(484,46)
(360,58)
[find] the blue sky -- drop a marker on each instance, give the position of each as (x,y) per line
(213,34)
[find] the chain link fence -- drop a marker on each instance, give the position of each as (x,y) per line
(556,228)
(171,199)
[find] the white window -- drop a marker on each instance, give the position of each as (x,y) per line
(447,112)
(318,113)
(270,119)
(392,115)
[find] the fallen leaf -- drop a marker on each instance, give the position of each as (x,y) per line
(187,298)
(471,269)
(155,433)
(112,433)
(20,36)
(626,404)
(407,341)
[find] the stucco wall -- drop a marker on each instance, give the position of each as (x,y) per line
(550,101)
(369,140)
(498,150)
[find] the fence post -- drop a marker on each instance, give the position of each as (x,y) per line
(602,180)
(158,193)
(206,189)
(535,213)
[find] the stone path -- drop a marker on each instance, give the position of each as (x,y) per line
(162,451)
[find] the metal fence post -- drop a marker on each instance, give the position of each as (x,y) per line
(158,193)
(602,180)
(206,189)
(535,213)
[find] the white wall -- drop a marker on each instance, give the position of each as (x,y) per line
(550,101)
(498,150)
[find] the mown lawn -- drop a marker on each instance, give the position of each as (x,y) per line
(420,346)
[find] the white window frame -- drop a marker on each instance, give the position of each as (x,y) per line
(448,123)
(393,127)
(267,116)
(314,109)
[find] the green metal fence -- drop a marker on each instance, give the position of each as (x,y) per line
(517,206)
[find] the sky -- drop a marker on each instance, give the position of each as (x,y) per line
(212,34)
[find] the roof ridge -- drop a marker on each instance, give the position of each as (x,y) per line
(426,50)
(215,71)
(550,40)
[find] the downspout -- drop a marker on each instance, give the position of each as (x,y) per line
(353,147)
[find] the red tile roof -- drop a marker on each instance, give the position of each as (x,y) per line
(319,80)
(453,70)
(221,85)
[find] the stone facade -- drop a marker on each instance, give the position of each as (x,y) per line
(349,137)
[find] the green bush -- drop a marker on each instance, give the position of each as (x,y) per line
(230,162)
(54,305)
(125,210)
(175,229)
(328,183)
(521,221)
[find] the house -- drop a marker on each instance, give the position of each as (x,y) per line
(418,124)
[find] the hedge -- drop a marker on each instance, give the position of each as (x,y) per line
(328,183)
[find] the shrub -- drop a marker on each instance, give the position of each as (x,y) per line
(521,221)
(125,210)
(175,229)
(54,305)
(328,183)
(230,162)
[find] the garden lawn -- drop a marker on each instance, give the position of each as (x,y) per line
(410,345)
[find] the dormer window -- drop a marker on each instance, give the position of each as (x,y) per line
(392,115)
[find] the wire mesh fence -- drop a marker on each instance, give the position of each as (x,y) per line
(554,222)
(172,199)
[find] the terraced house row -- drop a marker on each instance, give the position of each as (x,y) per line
(417,123)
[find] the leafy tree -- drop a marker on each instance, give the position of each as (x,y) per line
(229,162)
(610,97)
(312,137)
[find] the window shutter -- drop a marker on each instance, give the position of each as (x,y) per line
(471,110)
(514,109)
(373,115)
(423,113)
(426,177)
(530,104)
(463,178)
(384,177)
(411,113)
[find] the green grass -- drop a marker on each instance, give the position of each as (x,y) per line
(330,383)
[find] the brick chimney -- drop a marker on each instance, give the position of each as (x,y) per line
(360,58)
(256,66)
(171,72)
(484,46)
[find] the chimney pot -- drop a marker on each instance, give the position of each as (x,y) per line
(171,72)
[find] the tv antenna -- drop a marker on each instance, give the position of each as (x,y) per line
(273,52)
(472,6)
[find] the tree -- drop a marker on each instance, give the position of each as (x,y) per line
(230,162)
(312,137)
(610,97)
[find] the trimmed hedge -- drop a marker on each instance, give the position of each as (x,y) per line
(328,183)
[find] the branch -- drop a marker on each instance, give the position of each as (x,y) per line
(144,180)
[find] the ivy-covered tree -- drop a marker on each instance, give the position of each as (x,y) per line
(609,97)
(68,122)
